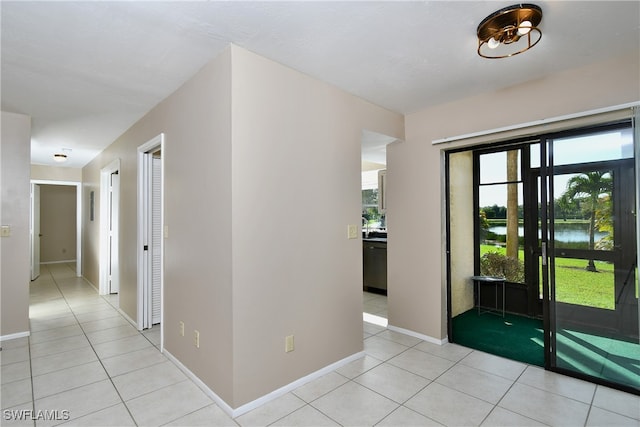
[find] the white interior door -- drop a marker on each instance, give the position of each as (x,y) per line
(35,231)
(151,234)
(156,237)
(114,209)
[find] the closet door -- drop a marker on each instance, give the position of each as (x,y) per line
(156,236)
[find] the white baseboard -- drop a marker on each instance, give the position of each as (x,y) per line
(129,319)
(219,401)
(297,383)
(91,284)
(14,336)
(268,397)
(418,335)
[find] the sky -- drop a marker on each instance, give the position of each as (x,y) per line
(597,147)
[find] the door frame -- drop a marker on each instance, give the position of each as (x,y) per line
(105,181)
(34,231)
(143,292)
(78,186)
(546,251)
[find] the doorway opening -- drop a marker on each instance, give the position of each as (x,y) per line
(151,234)
(550,276)
(55,224)
(374,227)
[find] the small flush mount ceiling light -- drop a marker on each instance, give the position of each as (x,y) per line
(61,157)
(509,31)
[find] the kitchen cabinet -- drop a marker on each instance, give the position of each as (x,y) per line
(374,265)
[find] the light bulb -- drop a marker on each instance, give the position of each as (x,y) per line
(493,43)
(524,28)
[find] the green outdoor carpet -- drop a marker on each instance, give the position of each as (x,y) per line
(612,360)
(521,338)
(514,337)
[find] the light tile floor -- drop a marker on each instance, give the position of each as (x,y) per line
(87,362)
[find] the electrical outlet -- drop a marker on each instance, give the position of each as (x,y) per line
(181,328)
(196,339)
(288,344)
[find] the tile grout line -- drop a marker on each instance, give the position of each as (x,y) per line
(382,362)
(431,381)
(107,372)
(593,398)
(33,397)
(99,359)
(348,380)
(193,412)
(555,393)
(497,405)
(33,393)
(108,301)
(401,405)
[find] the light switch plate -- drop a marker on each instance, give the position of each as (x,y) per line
(288,344)
(352,231)
(5,231)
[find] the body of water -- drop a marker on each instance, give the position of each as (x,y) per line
(563,232)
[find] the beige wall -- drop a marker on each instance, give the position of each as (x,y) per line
(294,270)
(91,228)
(461,231)
(56,173)
(416,254)
(57,223)
(257,247)
(15,156)
(196,123)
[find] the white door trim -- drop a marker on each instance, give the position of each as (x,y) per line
(144,151)
(34,231)
(78,186)
(105,180)
(114,237)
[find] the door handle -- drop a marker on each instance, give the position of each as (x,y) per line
(544,253)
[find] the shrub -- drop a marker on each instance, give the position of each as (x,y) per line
(497,264)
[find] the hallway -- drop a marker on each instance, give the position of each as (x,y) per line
(85,365)
(87,359)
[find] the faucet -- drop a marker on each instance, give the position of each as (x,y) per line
(365,223)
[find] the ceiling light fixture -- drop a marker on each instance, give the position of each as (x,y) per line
(500,32)
(59,157)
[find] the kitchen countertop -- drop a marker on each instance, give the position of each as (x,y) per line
(375,239)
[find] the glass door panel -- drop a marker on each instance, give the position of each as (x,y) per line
(591,249)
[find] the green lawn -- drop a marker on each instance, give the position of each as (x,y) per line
(574,284)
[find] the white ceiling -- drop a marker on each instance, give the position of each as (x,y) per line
(85,71)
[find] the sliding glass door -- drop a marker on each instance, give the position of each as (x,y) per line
(588,255)
(554,217)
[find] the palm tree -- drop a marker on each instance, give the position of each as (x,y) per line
(590,186)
